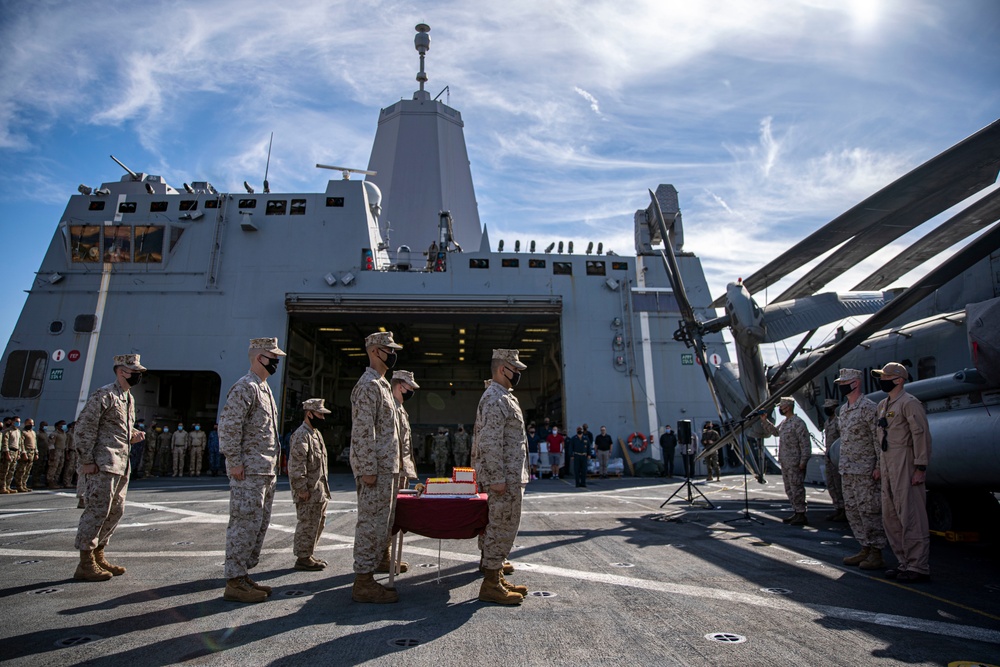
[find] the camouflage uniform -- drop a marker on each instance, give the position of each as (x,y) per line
(29,452)
(859,452)
(163,453)
(307,471)
(441,454)
(151,452)
(179,446)
(72,461)
(11,445)
(794,450)
(374,451)
(197,447)
(500,456)
(102,436)
(407,469)
(708,438)
(248,436)
(57,457)
(831,431)
(461,448)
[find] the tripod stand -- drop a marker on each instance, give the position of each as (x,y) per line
(746,488)
(690,496)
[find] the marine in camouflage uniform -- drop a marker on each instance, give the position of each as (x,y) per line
(152,450)
(831,432)
(709,436)
(859,454)
(500,455)
(248,436)
(57,454)
(29,453)
(460,445)
(403,385)
(441,453)
(103,436)
(375,463)
(196,446)
(164,452)
(8,457)
(12,441)
(794,450)
(307,477)
(72,462)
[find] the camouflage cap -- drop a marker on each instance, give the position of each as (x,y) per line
(129,361)
(891,370)
(848,375)
(510,356)
(268,344)
(786,400)
(407,377)
(831,403)
(315,405)
(382,339)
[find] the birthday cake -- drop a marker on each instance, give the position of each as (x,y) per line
(461,483)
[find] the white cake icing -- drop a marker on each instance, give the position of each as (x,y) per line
(450,488)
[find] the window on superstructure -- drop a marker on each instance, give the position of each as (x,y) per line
(536,263)
(276,206)
(335,201)
(97,205)
(479,263)
(118,244)
(562,268)
(175,236)
(85,243)
(211,203)
(248,203)
(619,266)
(149,244)
(127,207)
(157,206)
(510,263)
(298,207)
(23,376)
(189,204)
(595,267)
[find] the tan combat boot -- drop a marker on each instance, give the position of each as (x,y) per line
(254,585)
(366,589)
(800,519)
(89,570)
(383,565)
(874,560)
(493,591)
(238,590)
(858,557)
(514,588)
(308,564)
(116,570)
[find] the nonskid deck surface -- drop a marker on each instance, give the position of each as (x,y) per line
(614,580)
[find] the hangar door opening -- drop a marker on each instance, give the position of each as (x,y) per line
(447,343)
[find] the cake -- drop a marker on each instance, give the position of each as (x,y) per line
(461,483)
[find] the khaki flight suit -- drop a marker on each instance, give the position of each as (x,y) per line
(197,447)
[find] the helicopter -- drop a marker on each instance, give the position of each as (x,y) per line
(944,327)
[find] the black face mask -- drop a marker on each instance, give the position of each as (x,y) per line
(887,385)
(844,390)
(271,366)
(390,359)
(134,379)
(29,427)
(407,395)
(830,411)
(515,377)
(316,418)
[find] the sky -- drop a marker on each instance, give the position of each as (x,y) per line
(769,117)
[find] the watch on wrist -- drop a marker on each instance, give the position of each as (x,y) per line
(922,468)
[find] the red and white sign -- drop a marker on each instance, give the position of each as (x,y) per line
(58,355)
(73,355)
(715,359)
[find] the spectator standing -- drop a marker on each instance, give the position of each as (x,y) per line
(603,443)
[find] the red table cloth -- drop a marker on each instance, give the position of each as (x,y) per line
(442,518)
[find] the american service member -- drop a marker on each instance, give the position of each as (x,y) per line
(103,436)
(307,477)
(905,440)
(375,463)
(859,454)
(794,450)
(500,456)
(248,436)
(834,485)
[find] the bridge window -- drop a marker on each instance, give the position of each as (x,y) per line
(97,205)
(510,263)
(298,207)
(276,206)
(335,201)
(189,204)
(211,203)
(479,263)
(248,203)
(149,244)
(157,206)
(127,207)
(562,268)
(24,374)
(595,267)
(619,266)
(536,263)
(118,244)
(85,243)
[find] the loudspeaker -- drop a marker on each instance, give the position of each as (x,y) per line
(684,432)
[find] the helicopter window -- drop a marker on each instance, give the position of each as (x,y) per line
(510,263)
(595,268)
(97,205)
(149,244)
(926,367)
(335,201)
(276,206)
(118,244)
(189,204)
(56,327)
(127,207)
(562,268)
(85,242)
(23,376)
(536,263)
(211,203)
(157,206)
(248,203)
(298,207)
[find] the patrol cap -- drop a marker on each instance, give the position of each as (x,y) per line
(786,400)
(267,344)
(407,377)
(891,370)
(315,405)
(382,339)
(129,361)
(509,356)
(831,403)
(848,375)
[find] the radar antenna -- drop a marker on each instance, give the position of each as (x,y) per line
(135,176)
(267,166)
(346,171)
(422,42)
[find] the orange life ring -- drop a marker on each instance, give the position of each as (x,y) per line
(637,448)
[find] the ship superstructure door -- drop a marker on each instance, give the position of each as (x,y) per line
(447,343)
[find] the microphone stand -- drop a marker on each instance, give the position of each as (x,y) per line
(746,487)
(689,486)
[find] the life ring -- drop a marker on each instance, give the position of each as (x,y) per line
(637,448)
